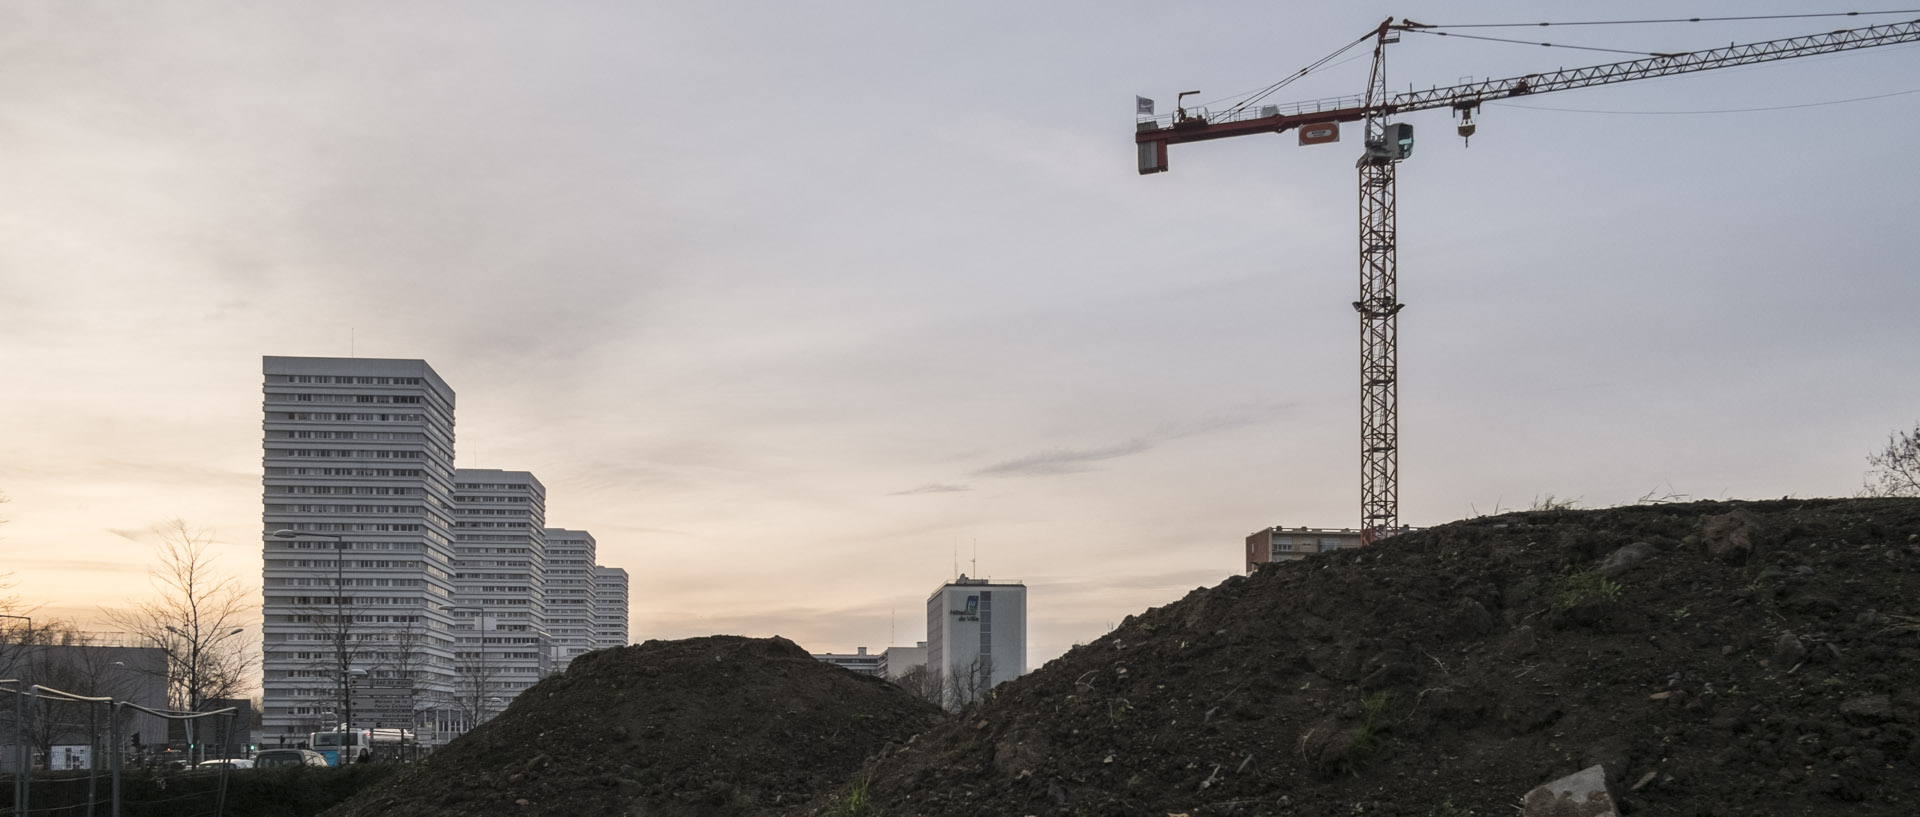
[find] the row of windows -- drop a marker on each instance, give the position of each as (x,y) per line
(328,582)
(361,509)
(355,601)
(405,473)
(347,380)
(360,527)
(1286,544)
(328,544)
(350,417)
(352,564)
(377,436)
(345,490)
(362,399)
(347,453)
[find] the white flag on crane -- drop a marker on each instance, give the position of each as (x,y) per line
(1143,105)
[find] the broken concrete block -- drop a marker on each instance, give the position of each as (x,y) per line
(1581,794)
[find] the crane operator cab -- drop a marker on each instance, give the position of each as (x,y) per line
(1396,144)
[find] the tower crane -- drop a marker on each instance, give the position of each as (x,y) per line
(1386,144)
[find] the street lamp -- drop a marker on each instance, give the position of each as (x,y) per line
(339,610)
(20,725)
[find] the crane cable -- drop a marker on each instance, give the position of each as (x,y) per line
(1317,64)
(1669,20)
(1503,104)
(1548,45)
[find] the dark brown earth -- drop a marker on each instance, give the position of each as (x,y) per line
(1720,658)
(1742,659)
(707,726)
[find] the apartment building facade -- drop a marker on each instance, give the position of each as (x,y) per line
(609,607)
(500,593)
(358,541)
(398,590)
(571,593)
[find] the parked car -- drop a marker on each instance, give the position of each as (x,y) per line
(279,758)
(224,763)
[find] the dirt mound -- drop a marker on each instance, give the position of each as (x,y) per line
(1717,658)
(707,726)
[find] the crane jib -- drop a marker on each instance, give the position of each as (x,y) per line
(1199,127)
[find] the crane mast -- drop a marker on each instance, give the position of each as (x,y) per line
(1379,308)
(1386,144)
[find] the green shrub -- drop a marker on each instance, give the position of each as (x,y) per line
(1580,588)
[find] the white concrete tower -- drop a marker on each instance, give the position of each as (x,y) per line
(570,593)
(500,593)
(976,637)
(358,544)
(609,607)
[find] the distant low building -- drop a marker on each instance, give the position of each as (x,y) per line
(898,661)
(228,737)
(859,662)
(1278,544)
(135,674)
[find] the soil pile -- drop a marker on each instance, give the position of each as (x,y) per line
(1717,658)
(722,725)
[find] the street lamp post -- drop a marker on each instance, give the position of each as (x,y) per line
(25,755)
(339,609)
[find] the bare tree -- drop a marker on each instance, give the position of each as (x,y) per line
(923,682)
(18,636)
(473,697)
(198,619)
(1895,470)
(969,682)
(16,628)
(407,661)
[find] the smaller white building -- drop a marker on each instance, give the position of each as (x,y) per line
(859,661)
(898,661)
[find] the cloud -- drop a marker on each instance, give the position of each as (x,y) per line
(1064,460)
(130,535)
(83,565)
(1072,461)
(932,488)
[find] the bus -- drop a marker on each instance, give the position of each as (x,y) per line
(344,747)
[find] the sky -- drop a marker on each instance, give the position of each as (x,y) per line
(802,308)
